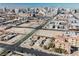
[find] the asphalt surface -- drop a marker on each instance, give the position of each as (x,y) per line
(16,46)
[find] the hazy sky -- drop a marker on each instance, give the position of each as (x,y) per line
(23,5)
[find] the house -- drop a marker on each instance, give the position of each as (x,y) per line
(58,25)
(73,24)
(60,43)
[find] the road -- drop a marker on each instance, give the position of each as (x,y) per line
(21,49)
(16,46)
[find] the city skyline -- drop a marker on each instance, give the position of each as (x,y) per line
(25,5)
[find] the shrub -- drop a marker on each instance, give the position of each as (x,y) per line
(51,45)
(59,50)
(45,47)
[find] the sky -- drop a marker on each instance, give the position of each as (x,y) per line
(24,5)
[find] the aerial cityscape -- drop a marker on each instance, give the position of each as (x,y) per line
(37,29)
